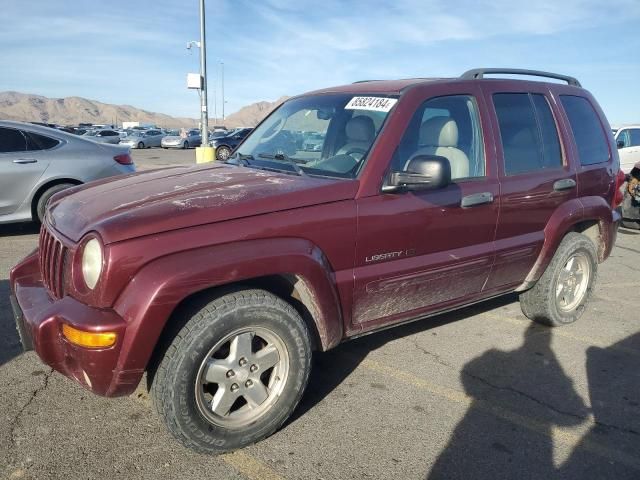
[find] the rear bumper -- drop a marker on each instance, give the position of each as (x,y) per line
(612,231)
(39,321)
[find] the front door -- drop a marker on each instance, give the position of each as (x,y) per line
(628,141)
(423,251)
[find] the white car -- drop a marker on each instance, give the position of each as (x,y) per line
(628,141)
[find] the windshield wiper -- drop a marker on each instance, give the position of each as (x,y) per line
(242,158)
(282,157)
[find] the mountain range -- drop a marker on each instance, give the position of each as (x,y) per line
(74,110)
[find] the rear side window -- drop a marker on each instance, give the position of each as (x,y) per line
(528,132)
(587,130)
(12,140)
(40,142)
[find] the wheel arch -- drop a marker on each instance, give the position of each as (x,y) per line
(590,216)
(46,186)
(169,296)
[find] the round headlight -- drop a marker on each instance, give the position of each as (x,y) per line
(92,262)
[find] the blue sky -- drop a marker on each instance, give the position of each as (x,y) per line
(133,52)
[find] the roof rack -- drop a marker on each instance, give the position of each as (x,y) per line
(481,72)
(365,81)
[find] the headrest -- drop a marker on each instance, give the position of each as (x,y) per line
(439,132)
(360,129)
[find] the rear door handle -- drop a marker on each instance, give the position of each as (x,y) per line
(476,199)
(564,184)
(25,160)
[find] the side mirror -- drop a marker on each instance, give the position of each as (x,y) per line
(620,144)
(424,172)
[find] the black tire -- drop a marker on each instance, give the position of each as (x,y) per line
(41,203)
(222,153)
(632,224)
(140,145)
(176,383)
(185,145)
(541,303)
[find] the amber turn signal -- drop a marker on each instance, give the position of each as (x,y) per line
(88,339)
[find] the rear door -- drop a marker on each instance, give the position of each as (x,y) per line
(21,166)
(422,251)
(535,173)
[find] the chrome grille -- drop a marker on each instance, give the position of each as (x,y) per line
(52,262)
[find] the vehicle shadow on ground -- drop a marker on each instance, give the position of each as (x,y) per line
(10,346)
(628,231)
(16,229)
(331,368)
(520,399)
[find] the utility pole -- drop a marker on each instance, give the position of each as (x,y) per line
(204,119)
(222,64)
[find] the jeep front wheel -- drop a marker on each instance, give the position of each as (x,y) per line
(561,294)
(234,373)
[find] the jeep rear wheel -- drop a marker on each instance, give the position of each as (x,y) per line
(234,373)
(561,294)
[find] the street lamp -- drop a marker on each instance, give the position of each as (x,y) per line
(204,153)
(203,71)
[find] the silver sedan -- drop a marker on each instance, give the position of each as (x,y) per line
(102,136)
(192,138)
(37,162)
(144,139)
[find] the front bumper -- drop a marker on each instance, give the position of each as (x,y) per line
(39,321)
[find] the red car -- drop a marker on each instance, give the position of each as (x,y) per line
(221,281)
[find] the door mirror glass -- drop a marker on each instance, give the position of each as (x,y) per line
(620,143)
(423,172)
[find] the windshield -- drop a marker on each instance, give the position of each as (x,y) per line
(327,135)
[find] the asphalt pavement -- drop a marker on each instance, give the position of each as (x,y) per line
(481,393)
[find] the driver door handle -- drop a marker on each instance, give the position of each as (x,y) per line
(476,199)
(25,160)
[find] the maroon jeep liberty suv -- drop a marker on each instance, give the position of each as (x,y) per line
(416,197)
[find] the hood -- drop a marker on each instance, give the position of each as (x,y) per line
(179,197)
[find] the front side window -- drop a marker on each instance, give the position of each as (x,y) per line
(634,134)
(448,127)
(528,132)
(12,140)
(587,130)
(325,135)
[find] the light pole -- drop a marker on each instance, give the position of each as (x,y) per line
(223,102)
(204,118)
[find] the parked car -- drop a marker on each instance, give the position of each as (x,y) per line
(628,143)
(37,162)
(222,280)
(143,138)
(225,144)
(191,139)
(102,136)
(313,142)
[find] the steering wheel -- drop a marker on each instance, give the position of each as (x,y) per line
(277,127)
(359,153)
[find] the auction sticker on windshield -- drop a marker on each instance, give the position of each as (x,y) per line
(377,104)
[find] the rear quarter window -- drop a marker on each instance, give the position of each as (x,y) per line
(36,141)
(587,130)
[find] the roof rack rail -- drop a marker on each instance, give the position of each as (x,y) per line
(365,81)
(481,72)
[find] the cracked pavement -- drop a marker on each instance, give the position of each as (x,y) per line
(479,393)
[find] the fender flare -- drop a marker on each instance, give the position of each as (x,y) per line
(564,220)
(152,295)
